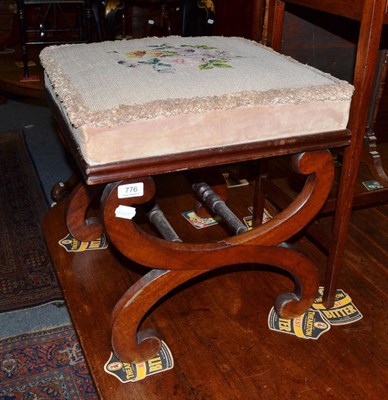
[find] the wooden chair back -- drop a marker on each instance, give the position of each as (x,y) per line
(371,15)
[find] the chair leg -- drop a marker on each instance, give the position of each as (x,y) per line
(23,37)
(370,154)
(97,20)
(342,213)
(259,196)
(373,15)
(88,21)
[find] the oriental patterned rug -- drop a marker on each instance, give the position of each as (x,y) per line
(44,365)
(27,277)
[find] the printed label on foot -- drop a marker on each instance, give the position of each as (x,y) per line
(343,312)
(72,245)
(341,298)
(317,319)
(310,325)
(126,372)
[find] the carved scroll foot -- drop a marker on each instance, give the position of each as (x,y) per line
(81,226)
(62,190)
(129,346)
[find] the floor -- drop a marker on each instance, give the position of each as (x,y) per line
(217,327)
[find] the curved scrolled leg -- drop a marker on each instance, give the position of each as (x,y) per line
(135,303)
(258,246)
(319,168)
(79,225)
(317,165)
(127,344)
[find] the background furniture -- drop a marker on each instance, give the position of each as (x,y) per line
(7,11)
(140,18)
(52,22)
(371,15)
(328,47)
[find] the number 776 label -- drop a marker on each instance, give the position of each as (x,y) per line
(130,190)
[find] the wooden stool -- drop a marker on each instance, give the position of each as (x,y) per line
(133,110)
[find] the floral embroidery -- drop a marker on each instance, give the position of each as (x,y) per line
(166,58)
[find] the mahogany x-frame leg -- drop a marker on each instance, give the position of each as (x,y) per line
(173,263)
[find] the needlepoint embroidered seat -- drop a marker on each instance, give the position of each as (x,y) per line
(133,99)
